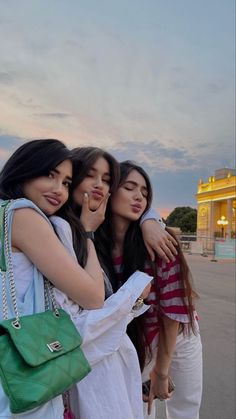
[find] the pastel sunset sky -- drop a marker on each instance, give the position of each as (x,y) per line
(149,80)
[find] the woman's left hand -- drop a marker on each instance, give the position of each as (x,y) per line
(91,220)
(157,240)
(158,388)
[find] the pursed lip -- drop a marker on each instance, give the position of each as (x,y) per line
(136,207)
(97,194)
(53,200)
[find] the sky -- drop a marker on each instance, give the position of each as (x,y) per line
(148,80)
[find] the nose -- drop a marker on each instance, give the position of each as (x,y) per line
(58,187)
(138,195)
(98,183)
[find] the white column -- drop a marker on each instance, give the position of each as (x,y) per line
(229,217)
(211,225)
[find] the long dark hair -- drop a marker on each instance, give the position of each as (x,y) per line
(105,240)
(33,159)
(83,158)
(134,258)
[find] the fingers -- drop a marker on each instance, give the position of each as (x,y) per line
(166,250)
(105,200)
(171,239)
(171,244)
(169,254)
(145,398)
(150,401)
(85,202)
(150,252)
(162,254)
(103,204)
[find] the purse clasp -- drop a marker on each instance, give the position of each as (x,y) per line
(55,346)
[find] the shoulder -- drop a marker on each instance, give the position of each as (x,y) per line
(168,271)
(29,218)
(64,232)
(60,223)
(166,266)
(22,208)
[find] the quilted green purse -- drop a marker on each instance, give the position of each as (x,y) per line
(40,354)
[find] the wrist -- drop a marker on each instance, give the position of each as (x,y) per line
(90,235)
(138,304)
(162,376)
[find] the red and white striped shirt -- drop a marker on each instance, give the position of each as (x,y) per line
(170,288)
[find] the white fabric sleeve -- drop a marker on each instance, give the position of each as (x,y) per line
(63,230)
(102,329)
(152,214)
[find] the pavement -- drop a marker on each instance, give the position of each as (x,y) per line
(215,283)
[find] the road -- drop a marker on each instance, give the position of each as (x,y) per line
(215,282)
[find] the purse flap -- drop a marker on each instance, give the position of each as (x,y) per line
(43,336)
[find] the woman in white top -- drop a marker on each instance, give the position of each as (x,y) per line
(40,173)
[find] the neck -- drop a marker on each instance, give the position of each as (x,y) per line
(120,227)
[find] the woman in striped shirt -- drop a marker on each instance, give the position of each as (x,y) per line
(167,337)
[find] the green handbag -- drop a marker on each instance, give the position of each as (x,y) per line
(40,354)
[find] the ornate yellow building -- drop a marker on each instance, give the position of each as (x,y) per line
(217,205)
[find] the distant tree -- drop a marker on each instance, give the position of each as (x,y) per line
(183,217)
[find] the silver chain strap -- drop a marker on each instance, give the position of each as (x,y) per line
(16,322)
(49,295)
(48,288)
(4,296)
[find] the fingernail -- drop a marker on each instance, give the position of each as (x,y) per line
(85,195)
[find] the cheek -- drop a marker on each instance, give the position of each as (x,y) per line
(65,196)
(117,203)
(106,188)
(29,191)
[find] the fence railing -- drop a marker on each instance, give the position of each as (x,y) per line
(215,247)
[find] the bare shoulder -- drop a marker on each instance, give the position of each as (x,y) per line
(27,216)
(26,221)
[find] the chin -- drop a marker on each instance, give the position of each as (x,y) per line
(49,211)
(133,217)
(93,206)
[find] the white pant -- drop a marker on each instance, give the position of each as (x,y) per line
(186,372)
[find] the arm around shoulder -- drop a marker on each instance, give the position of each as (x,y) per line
(35,237)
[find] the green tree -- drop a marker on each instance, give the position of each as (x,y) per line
(183,217)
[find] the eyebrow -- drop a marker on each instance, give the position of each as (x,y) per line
(58,172)
(135,184)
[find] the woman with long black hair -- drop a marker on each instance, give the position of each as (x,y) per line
(167,336)
(37,179)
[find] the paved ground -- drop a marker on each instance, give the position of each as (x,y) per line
(215,282)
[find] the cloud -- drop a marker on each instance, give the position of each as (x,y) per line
(156,156)
(6,78)
(56,115)
(216,87)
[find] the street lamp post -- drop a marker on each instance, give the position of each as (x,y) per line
(222,222)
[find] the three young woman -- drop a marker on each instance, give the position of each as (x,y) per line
(167,336)
(44,187)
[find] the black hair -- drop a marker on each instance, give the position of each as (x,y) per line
(135,257)
(31,160)
(105,234)
(83,158)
